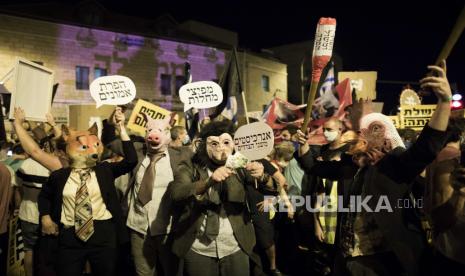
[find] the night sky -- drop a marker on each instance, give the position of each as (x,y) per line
(396,38)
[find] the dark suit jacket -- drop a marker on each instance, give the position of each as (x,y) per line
(51,196)
(192,209)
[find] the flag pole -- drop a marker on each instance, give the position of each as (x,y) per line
(453,37)
(244,102)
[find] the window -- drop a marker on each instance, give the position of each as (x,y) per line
(180,80)
(165,84)
(82,77)
(99,72)
(266,83)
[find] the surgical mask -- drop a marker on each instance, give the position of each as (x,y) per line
(186,140)
(330,135)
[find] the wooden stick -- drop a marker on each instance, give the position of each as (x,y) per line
(308,110)
(453,37)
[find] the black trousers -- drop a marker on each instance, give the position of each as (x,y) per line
(380,264)
(236,264)
(3,252)
(100,250)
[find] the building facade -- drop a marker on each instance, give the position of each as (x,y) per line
(80,54)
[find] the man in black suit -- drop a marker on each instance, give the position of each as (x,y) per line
(80,206)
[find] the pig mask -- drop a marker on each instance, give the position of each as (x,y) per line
(157,135)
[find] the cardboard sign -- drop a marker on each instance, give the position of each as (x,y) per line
(416,116)
(112,90)
(79,116)
(137,121)
(200,94)
(255,141)
(32,90)
(324,39)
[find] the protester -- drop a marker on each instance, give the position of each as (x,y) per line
(88,226)
(179,137)
(445,202)
(150,206)
(382,243)
(214,234)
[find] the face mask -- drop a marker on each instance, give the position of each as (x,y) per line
(186,140)
(330,135)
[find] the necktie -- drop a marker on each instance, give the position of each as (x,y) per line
(146,186)
(83,222)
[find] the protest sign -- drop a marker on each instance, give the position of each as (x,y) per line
(322,52)
(32,90)
(137,121)
(200,94)
(112,90)
(254,141)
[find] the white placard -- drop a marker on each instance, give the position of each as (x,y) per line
(255,141)
(112,90)
(32,90)
(324,40)
(200,94)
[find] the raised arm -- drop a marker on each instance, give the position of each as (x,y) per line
(54,125)
(130,156)
(48,160)
(440,86)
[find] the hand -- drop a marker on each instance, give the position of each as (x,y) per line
(301,137)
(221,174)
(50,119)
(119,117)
(255,168)
(439,83)
(290,210)
(319,232)
(19,115)
(48,226)
(266,205)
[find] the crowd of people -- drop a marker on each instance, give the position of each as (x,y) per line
(370,201)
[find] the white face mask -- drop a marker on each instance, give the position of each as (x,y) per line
(330,135)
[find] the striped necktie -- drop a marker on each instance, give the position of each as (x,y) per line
(83,222)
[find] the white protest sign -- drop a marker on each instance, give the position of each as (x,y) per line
(255,141)
(200,94)
(112,90)
(324,40)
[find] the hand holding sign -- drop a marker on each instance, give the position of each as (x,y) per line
(254,141)
(200,94)
(112,90)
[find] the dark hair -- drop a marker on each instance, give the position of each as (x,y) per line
(291,128)
(455,129)
(215,128)
(175,131)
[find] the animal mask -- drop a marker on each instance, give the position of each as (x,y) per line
(83,148)
(157,134)
(377,137)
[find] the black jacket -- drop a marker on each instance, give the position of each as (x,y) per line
(51,197)
(390,177)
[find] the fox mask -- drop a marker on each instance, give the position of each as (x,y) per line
(83,147)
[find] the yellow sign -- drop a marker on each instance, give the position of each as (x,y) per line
(137,121)
(395,120)
(416,116)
